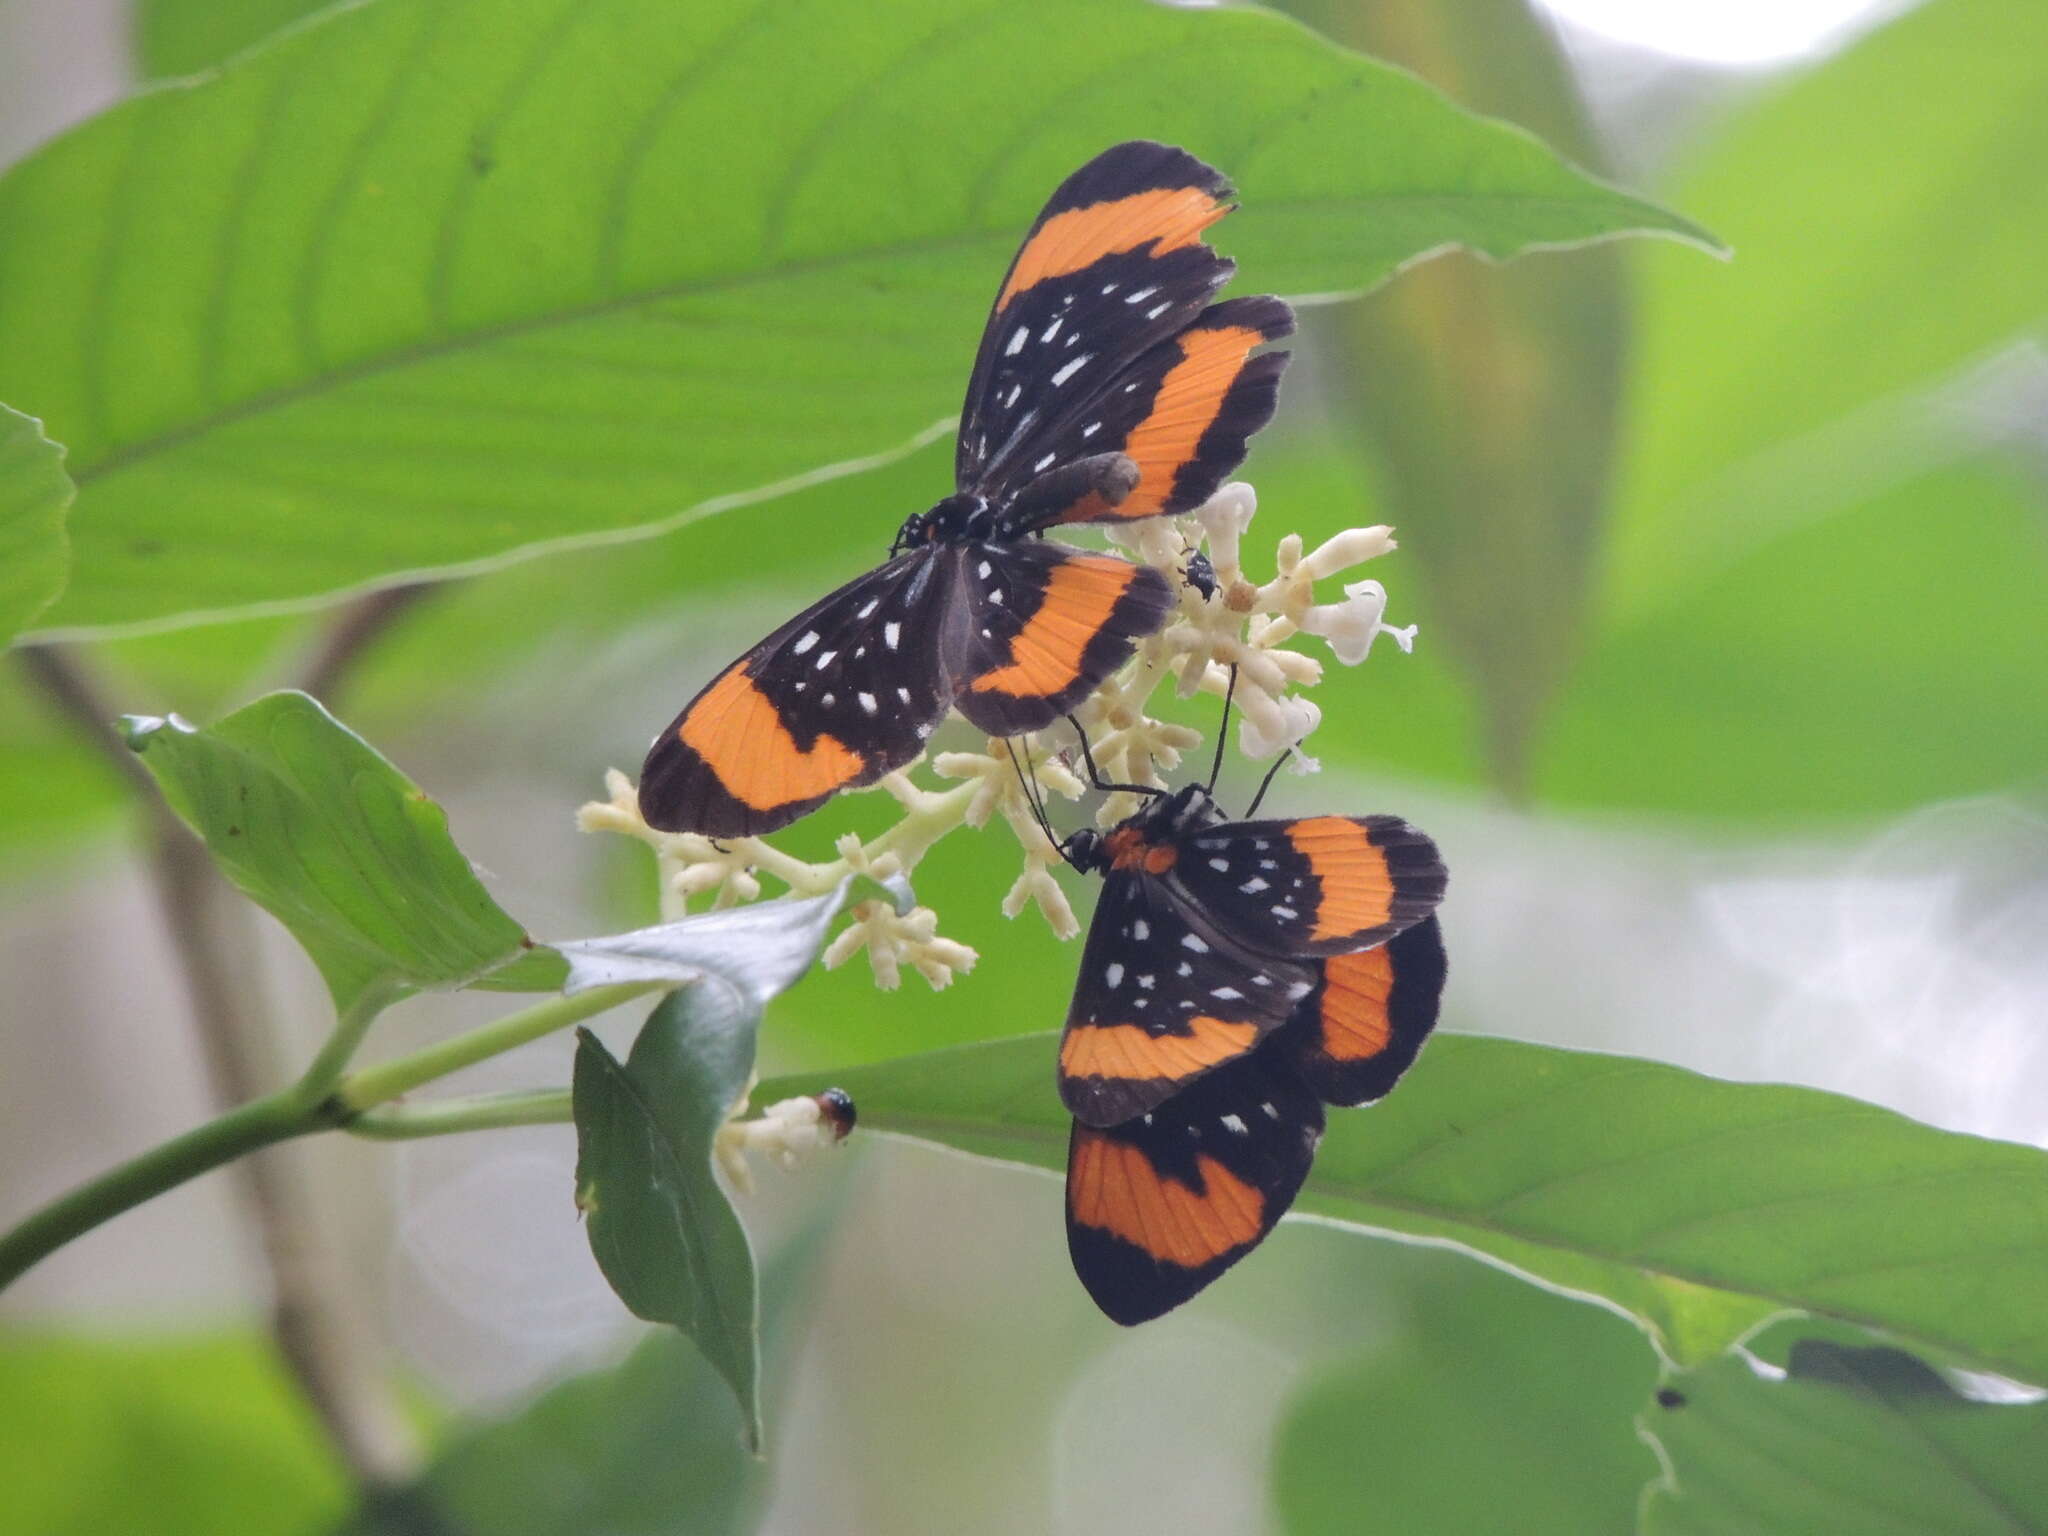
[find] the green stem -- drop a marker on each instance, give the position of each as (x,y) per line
(477,1112)
(374,1085)
(343,1042)
(273,1118)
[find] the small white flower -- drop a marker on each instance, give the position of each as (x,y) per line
(786,1133)
(895,940)
(1352,625)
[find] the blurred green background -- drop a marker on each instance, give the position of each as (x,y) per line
(1729,708)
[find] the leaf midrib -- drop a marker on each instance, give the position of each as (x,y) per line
(428,350)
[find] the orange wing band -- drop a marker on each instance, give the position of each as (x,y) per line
(1166,218)
(1189,400)
(1357,888)
(1125,1051)
(736,730)
(1114,1189)
(1356,1025)
(1045,655)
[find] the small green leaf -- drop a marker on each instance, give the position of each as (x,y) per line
(663,1230)
(1547,1387)
(1697,1206)
(176,1436)
(455,305)
(34,494)
(1853,1437)
(343,849)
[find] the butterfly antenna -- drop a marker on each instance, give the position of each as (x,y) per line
(1095,778)
(1222,730)
(1029,783)
(1267,782)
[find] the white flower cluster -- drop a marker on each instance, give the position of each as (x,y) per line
(1235,624)
(785,1133)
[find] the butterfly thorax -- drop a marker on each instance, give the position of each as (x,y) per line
(959,519)
(1146,842)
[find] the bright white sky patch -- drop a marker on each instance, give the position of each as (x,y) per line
(1728,31)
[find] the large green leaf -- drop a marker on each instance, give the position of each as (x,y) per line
(455,301)
(177,1437)
(1845,1436)
(182,37)
(1697,1206)
(349,854)
(1532,1391)
(34,493)
(663,1230)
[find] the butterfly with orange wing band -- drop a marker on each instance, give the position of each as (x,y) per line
(1238,975)
(1107,387)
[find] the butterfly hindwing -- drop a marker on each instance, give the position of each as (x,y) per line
(1323,885)
(840,695)
(1063,323)
(1353,1037)
(1045,624)
(1159,1206)
(1161,1000)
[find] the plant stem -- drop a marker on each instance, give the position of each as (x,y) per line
(477,1112)
(375,1085)
(259,1123)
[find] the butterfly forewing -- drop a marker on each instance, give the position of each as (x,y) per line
(1045,624)
(1063,323)
(1323,885)
(840,695)
(1353,1037)
(1161,1000)
(1159,1206)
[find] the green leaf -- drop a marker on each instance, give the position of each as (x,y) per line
(1698,1207)
(174,1436)
(34,493)
(454,303)
(663,1230)
(1546,1386)
(1854,1437)
(644,1448)
(343,849)
(182,37)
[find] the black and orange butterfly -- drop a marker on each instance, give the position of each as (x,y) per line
(1237,976)
(1107,388)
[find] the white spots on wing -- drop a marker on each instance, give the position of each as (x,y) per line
(1109,287)
(809,639)
(1011,398)
(1145,982)
(1288,914)
(1141,930)
(1191,941)
(1253,886)
(1261,844)
(1091,429)
(1271,1112)
(1068,369)
(1158,309)
(868,607)
(859,651)
(1046,462)
(1113,973)
(825,659)
(868,704)
(800,685)
(982,570)
(1236,1126)
(924,729)
(1269,864)
(1226,994)
(828,699)
(891,633)
(1221,866)
(1017,339)
(1262,980)
(1148,1120)
(1297,990)
(1051,330)
(1186,1005)
(903,694)
(1141,1002)
(1140,295)
(1131,388)
(996,597)
(1183,969)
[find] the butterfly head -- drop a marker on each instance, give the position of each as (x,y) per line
(960,517)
